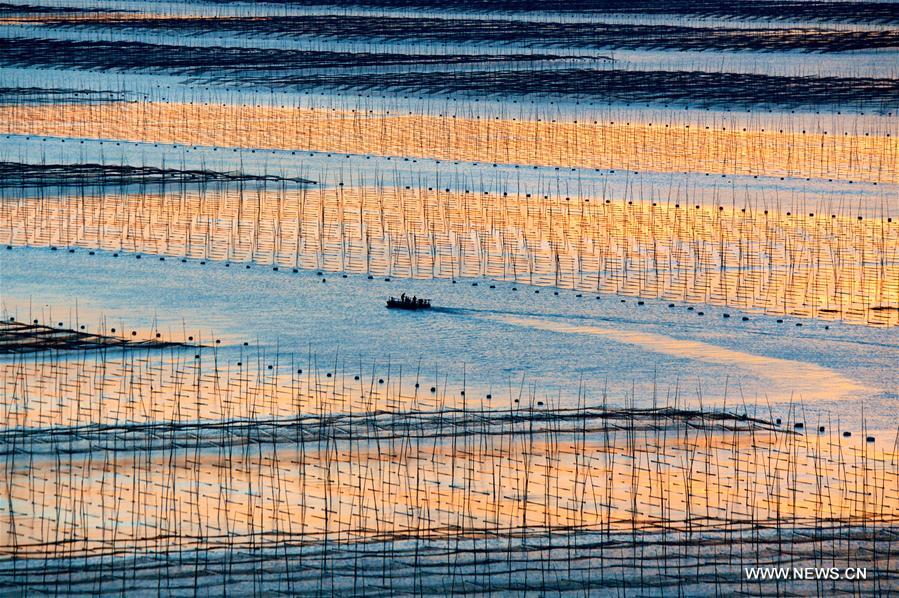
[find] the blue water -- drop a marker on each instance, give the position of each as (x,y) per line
(470,336)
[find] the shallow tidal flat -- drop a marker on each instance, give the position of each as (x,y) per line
(661,241)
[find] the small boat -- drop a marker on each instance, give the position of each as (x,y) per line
(408,303)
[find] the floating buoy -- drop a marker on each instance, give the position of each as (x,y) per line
(777,421)
(745,319)
(380,380)
(640,303)
(433,389)
(489,396)
(847,434)
(799,425)
(869,438)
(725,315)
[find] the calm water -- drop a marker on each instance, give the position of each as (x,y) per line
(492,336)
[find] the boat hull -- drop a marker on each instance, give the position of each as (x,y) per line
(406,305)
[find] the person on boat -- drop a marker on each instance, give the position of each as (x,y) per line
(403,297)
(413,300)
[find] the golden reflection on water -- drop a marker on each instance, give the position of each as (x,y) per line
(414,474)
(690,481)
(143,453)
(90,388)
(640,146)
(809,265)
